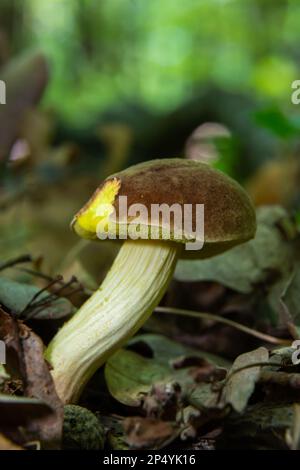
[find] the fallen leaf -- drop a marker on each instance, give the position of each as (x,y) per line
(290,298)
(25,354)
(205,397)
(166,350)
(149,433)
(240,384)
(129,376)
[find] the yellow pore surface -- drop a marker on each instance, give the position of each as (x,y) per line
(99,208)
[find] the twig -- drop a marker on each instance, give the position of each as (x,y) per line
(32,302)
(46,277)
(37,304)
(249,366)
(281,378)
(14,261)
(226,321)
(32,272)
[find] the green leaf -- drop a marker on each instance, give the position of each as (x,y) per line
(205,397)
(129,375)
(277,122)
(16,296)
(167,351)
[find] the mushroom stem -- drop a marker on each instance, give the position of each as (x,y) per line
(128,295)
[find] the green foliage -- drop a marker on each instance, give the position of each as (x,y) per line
(160,52)
(18,297)
(278,123)
(129,375)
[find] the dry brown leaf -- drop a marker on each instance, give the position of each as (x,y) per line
(25,355)
(149,433)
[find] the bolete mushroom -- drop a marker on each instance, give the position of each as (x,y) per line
(143,268)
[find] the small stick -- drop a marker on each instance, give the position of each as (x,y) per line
(14,261)
(226,321)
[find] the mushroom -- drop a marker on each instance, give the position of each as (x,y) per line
(143,268)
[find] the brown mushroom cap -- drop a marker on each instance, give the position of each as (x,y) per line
(229,216)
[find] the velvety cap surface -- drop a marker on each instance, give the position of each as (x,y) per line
(229,216)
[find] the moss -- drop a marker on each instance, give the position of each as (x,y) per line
(82,430)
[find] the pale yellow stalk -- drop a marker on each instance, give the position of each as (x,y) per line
(132,289)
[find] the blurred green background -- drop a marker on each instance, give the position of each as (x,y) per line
(158,53)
